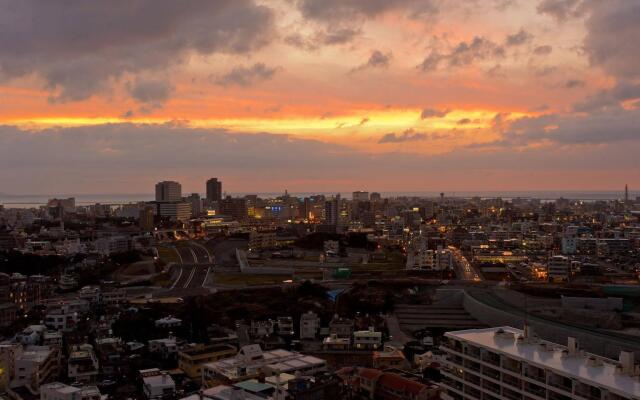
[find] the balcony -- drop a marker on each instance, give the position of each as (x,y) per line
(560,382)
(537,390)
(491,373)
(473,366)
(492,387)
(511,395)
(511,381)
(536,374)
(491,358)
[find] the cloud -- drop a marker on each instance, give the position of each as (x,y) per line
(407,136)
(150,91)
(377,59)
(574,83)
(543,50)
(246,76)
(609,99)
(562,10)
(74,160)
(518,38)
(591,129)
(464,54)
(336,11)
(331,36)
(80,48)
(613,34)
(434,113)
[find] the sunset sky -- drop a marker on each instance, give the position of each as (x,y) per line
(319,95)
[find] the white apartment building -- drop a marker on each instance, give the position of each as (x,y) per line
(166,348)
(34,366)
(251,361)
(83,364)
(419,257)
(512,364)
(112,245)
(559,268)
(367,340)
(157,384)
(60,391)
(309,325)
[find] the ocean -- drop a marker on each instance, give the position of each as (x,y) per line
(35,201)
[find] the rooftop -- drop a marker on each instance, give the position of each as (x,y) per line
(553,357)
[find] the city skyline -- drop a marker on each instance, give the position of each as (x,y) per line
(320,96)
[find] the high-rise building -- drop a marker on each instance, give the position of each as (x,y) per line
(175,211)
(168,191)
(196,204)
(214,190)
(508,363)
(236,208)
(375,197)
(332,211)
(360,196)
(146,219)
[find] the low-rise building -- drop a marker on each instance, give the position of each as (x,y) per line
(168,322)
(192,358)
(34,366)
(309,325)
(83,365)
(61,391)
(390,357)
(166,348)
(157,384)
(367,340)
(335,343)
(251,361)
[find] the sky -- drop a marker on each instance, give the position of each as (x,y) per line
(319,95)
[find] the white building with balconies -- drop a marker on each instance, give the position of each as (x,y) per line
(512,364)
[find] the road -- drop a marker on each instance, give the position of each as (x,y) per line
(464,269)
(191,276)
(398,338)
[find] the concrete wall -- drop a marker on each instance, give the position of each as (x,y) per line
(593,303)
(593,342)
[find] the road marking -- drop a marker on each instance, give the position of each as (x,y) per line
(177,280)
(193,272)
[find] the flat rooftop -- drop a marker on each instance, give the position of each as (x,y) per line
(575,366)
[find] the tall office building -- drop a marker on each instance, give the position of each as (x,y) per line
(168,191)
(332,211)
(214,190)
(196,204)
(360,196)
(146,218)
(236,208)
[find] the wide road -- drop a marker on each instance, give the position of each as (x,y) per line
(464,269)
(191,276)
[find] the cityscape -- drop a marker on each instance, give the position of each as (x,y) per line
(364,296)
(320,200)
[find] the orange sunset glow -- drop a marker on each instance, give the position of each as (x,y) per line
(425,95)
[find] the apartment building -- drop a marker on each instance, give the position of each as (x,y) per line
(513,364)
(251,362)
(192,358)
(61,391)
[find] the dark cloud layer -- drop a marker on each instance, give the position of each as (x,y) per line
(613,34)
(246,76)
(464,54)
(77,47)
(433,113)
